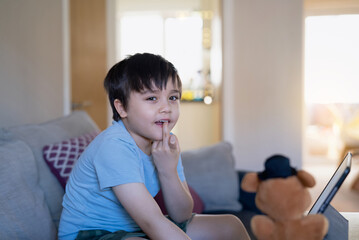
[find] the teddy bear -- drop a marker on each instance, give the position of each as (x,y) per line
(282,195)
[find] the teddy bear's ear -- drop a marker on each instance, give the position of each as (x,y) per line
(250,182)
(306,178)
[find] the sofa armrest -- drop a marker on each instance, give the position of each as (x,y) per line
(247,199)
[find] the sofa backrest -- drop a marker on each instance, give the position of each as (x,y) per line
(210,171)
(24,213)
(36,136)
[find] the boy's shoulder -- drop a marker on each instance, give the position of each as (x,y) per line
(113,141)
(116,133)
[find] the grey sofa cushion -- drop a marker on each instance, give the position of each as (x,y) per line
(210,171)
(37,136)
(23,210)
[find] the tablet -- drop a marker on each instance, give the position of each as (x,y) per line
(333,185)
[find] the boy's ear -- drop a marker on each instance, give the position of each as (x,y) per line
(119,108)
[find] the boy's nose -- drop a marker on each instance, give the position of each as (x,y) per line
(165,107)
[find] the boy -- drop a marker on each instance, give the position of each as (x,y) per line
(110,192)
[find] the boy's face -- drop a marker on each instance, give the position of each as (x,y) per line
(147,110)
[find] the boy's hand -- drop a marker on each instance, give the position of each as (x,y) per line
(177,197)
(166,152)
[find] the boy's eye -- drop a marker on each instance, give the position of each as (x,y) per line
(151,98)
(174,98)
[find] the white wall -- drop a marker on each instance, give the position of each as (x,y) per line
(31,61)
(263,80)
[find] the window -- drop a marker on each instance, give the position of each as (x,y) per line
(141,33)
(181,37)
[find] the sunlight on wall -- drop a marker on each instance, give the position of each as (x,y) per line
(332,59)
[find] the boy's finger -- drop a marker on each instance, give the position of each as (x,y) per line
(154,144)
(173,142)
(165,133)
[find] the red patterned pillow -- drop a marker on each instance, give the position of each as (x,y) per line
(198,205)
(61,157)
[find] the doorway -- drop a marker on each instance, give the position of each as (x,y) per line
(331,86)
(188,34)
(332,101)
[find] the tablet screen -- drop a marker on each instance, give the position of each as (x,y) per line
(333,185)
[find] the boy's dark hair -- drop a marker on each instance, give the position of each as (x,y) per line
(137,73)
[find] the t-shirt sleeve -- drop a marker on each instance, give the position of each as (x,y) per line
(117,163)
(180,170)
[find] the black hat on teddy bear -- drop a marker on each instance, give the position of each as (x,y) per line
(277,166)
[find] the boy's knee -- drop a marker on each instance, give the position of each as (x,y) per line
(232,219)
(234,227)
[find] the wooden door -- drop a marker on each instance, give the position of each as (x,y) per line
(88,58)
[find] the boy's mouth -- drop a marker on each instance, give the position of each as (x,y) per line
(162,121)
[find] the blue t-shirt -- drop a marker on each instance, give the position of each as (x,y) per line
(111,159)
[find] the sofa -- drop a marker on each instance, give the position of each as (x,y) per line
(36,160)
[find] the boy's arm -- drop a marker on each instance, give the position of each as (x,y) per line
(177,197)
(178,200)
(141,206)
